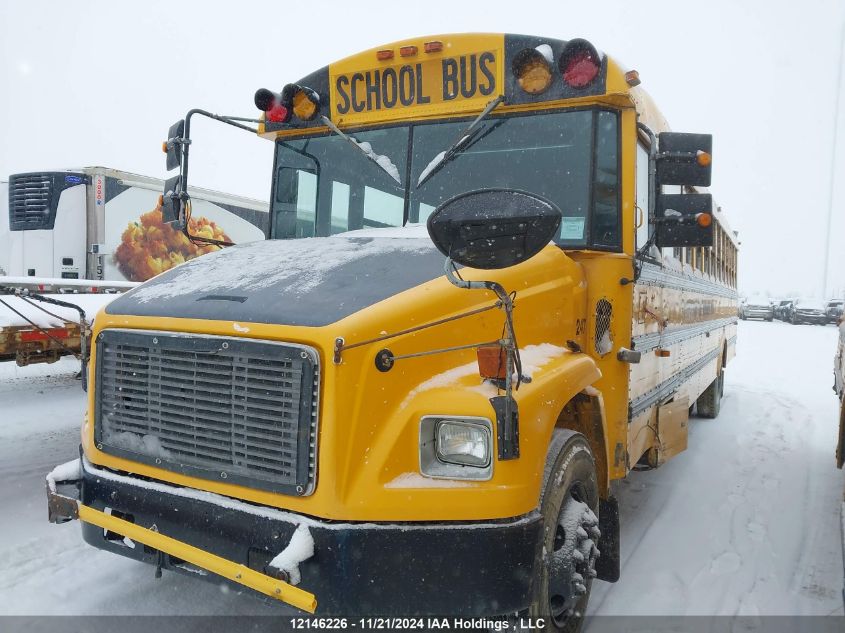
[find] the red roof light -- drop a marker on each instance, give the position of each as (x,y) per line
(579,63)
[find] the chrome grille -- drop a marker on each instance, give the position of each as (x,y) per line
(220,408)
(29,201)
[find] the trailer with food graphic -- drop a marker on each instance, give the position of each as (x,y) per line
(100,223)
(86,234)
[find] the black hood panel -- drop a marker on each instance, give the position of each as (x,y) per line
(311,282)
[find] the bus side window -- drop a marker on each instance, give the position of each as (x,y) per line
(605,224)
(340,220)
(382,208)
(295,204)
(642,218)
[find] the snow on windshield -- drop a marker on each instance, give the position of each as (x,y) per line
(431,165)
(383,161)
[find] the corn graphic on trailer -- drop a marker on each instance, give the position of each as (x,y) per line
(507,287)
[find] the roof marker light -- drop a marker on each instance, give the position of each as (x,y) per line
(408,51)
(433,47)
(272,104)
(306,103)
(384,55)
(532,71)
(579,63)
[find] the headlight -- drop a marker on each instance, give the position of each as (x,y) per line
(456,447)
(463,442)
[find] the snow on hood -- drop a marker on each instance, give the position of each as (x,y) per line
(264,264)
(309,281)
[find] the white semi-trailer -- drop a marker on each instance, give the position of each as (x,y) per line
(87,234)
(103,224)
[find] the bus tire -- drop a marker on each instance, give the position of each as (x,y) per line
(710,402)
(569,505)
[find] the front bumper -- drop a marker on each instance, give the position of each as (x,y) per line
(810,317)
(466,569)
(758,313)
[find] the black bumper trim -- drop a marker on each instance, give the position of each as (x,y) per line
(483,568)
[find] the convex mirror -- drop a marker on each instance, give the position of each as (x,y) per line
(493,228)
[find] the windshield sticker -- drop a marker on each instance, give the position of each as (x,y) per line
(572,229)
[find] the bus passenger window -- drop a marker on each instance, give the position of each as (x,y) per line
(605,229)
(382,209)
(340,208)
(420,215)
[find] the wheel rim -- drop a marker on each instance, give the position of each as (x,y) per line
(572,561)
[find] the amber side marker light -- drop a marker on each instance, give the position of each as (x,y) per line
(703,158)
(532,71)
(164,146)
(492,361)
(662,353)
(704,220)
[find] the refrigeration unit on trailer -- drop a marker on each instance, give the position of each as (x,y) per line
(102,223)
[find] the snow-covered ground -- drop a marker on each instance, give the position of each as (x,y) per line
(744,522)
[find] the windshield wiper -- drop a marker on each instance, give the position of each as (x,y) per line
(367,150)
(438,162)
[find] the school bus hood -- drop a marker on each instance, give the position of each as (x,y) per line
(305,282)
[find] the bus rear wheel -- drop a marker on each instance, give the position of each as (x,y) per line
(569,506)
(710,402)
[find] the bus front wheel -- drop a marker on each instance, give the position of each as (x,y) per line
(569,505)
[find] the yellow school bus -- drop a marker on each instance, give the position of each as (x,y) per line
(495,285)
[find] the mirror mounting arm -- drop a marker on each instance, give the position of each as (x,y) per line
(508,422)
(181,143)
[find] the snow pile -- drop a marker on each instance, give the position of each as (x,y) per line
(259,265)
(412,230)
(136,443)
(605,345)
(300,548)
(383,161)
(546,51)
(69,471)
(535,357)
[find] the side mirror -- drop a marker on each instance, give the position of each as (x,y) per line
(684,159)
(684,220)
(493,228)
(173,144)
(171,202)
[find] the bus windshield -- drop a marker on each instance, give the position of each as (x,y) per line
(324,185)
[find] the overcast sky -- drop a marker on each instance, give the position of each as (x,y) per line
(99,83)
